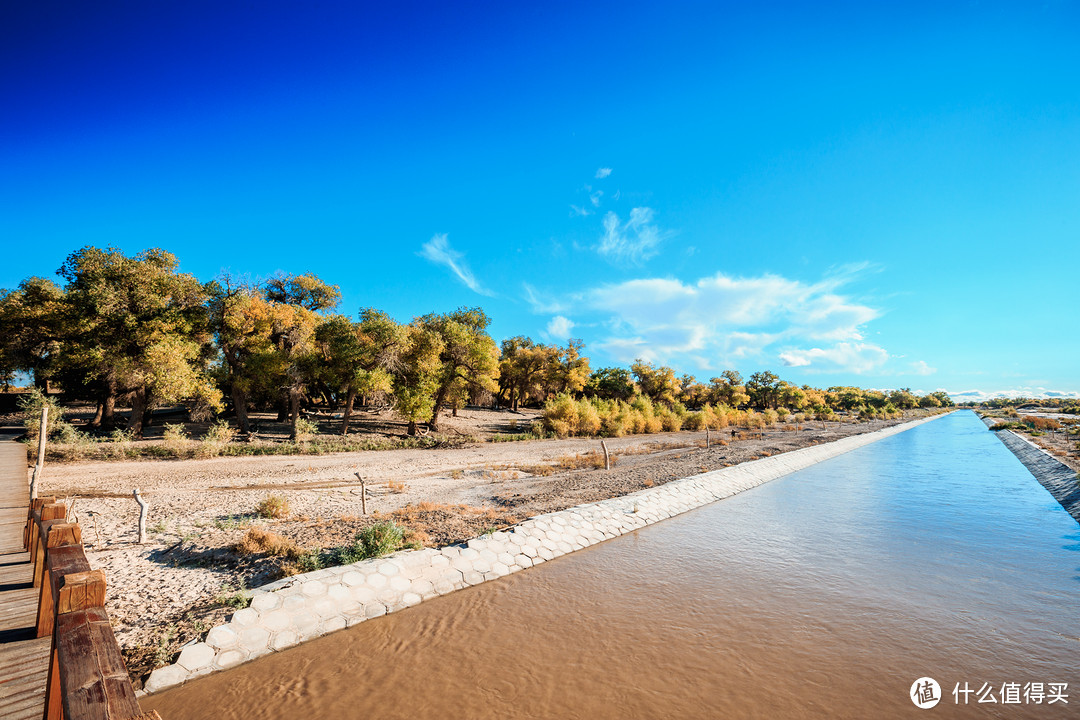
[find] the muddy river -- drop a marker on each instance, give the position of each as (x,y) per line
(827,593)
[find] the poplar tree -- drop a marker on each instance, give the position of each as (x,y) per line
(469,358)
(139,327)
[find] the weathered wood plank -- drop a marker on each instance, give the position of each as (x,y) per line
(93,677)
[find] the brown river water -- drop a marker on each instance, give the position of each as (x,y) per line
(823,594)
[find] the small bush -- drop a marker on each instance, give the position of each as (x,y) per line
(30,405)
(274,507)
(236,598)
(259,541)
(216,439)
(305,429)
(176,440)
(376,540)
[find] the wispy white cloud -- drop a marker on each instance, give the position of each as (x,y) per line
(594,198)
(850,357)
(603,173)
(438,251)
(919,367)
(541,303)
(559,327)
(728,320)
(578,211)
(635,240)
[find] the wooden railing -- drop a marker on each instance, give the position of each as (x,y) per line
(87,676)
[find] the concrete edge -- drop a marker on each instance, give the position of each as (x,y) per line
(303,607)
(1059,479)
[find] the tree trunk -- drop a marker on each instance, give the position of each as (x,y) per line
(440,398)
(455,411)
(348,411)
(283,407)
(240,408)
(108,409)
(294,411)
(138,412)
(96,422)
(513,399)
(412,427)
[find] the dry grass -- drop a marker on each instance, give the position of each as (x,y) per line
(540,470)
(273,507)
(585,461)
(439,524)
(396,486)
(259,541)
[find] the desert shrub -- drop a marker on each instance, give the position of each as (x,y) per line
(236,598)
(560,415)
(782,414)
(695,421)
(588,419)
(1038,423)
(216,439)
(670,421)
(275,507)
(376,540)
(259,541)
(589,461)
(176,440)
(769,417)
(30,405)
(121,443)
(305,429)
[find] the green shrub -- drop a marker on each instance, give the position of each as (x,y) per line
(305,429)
(376,540)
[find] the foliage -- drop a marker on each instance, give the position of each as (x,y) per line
(135,325)
(273,507)
(468,359)
(176,440)
(135,331)
(30,405)
(376,540)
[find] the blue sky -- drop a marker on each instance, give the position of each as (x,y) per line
(860,194)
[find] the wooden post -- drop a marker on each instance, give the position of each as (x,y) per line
(143,507)
(53,534)
(363,494)
(63,561)
(43,431)
(35,505)
(50,511)
(708,439)
(607,456)
(58,535)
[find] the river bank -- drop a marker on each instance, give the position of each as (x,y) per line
(1059,479)
(822,594)
(292,610)
(188,576)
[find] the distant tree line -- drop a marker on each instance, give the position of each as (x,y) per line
(136,332)
(1069,405)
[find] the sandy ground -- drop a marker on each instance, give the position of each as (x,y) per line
(167,591)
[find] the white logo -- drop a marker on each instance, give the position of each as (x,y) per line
(925,693)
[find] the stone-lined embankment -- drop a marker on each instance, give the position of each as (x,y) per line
(304,607)
(1057,477)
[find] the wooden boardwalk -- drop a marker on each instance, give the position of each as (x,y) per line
(23,659)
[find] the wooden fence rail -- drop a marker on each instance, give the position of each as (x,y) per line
(87,676)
